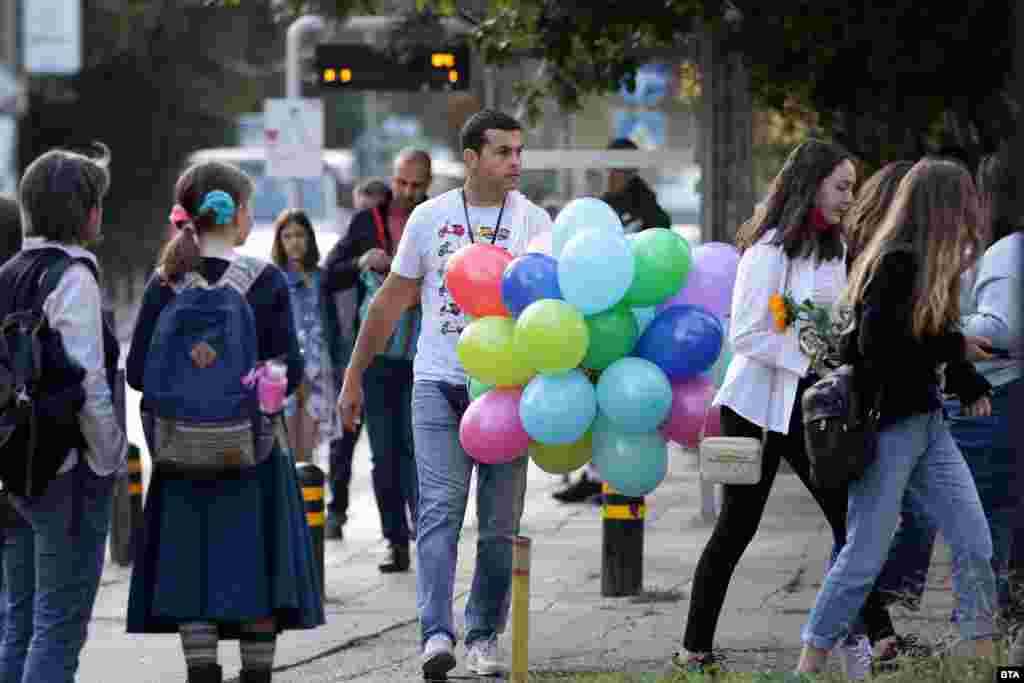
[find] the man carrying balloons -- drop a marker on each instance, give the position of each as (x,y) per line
(450,261)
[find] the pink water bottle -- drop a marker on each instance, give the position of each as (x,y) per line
(273,382)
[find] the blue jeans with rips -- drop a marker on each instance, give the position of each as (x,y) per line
(52,568)
(916,454)
(444,471)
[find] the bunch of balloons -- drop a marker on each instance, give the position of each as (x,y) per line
(592,345)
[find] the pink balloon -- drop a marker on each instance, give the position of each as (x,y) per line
(691,399)
(540,244)
(491,431)
(713,422)
(711,279)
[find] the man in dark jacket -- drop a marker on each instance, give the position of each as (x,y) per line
(370,244)
(631,197)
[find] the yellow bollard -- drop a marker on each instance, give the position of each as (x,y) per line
(520,609)
(622,544)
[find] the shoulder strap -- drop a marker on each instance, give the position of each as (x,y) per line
(382,234)
(243,273)
(56,271)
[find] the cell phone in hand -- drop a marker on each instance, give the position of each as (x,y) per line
(998,353)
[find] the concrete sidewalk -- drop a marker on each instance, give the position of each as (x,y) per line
(372,635)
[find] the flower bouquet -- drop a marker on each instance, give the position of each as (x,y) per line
(820,330)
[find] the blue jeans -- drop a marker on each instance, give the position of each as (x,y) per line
(916,454)
(52,576)
(388,388)
(444,475)
(986,446)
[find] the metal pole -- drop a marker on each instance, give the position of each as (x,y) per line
(307,26)
(622,544)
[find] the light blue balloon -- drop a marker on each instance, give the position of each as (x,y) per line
(595,270)
(632,463)
(644,316)
(559,408)
(634,394)
(586,213)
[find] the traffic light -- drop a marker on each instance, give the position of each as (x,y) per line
(356,66)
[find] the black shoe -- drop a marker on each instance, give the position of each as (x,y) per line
(333,529)
(249,676)
(207,673)
(580,492)
(398,559)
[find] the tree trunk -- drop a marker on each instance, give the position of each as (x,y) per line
(726,157)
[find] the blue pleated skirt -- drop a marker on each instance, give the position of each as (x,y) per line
(228,551)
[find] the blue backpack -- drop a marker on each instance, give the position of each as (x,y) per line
(205,419)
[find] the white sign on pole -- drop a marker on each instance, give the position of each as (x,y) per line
(52,32)
(293,133)
(8,147)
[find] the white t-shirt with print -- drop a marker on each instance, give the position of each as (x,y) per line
(436,230)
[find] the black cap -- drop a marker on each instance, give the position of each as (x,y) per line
(622,143)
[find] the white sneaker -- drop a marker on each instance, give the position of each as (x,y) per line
(484,659)
(438,656)
(855,655)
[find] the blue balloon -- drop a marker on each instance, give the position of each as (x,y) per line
(683,340)
(586,213)
(558,409)
(529,278)
(644,316)
(634,394)
(631,463)
(595,270)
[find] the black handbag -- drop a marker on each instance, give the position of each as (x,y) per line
(840,428)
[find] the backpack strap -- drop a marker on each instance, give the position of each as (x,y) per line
(383,238)
(52,277)
(243,273)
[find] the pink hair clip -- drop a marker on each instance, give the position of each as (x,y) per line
(179,215)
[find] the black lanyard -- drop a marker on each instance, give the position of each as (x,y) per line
(497,226)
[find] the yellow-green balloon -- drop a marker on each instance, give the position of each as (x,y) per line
(552,335)
(562,458)
(488,352)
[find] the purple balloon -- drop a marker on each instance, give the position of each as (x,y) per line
(711,279)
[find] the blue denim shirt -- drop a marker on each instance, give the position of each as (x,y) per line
(994,308)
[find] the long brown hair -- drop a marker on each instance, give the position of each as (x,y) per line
(870,206)
(181,254)
(936,213)
(997,186)
(791,196)
(277,254)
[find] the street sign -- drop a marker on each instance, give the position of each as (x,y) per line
(52,33)
(293,134)
(355,66)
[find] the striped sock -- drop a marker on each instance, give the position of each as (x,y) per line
(199,643)
(257,650)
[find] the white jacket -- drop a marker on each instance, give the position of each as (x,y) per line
(760,384)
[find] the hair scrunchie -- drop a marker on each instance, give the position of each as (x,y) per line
(222,205)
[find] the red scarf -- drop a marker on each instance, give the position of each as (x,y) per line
(817,221)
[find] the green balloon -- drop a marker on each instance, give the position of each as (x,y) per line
(562,458)
(613,334)
(488,352)
(478,388)
(552,335)
(663,261)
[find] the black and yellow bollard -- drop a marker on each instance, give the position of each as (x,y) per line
(126,527)
(520,609)
(311,479)
(622,544)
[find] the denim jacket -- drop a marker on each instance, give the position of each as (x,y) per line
(75,309)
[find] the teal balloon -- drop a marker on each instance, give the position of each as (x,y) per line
(595,270)
(558,409)
(634,394)
(644,316)
(579,215)
(721,365)
(631,463)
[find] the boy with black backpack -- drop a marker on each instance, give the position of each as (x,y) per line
(60,442)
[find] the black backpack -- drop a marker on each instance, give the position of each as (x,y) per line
(41,390)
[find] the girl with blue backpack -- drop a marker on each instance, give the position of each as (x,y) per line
(225,552)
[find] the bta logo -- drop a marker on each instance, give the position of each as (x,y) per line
(1011,673)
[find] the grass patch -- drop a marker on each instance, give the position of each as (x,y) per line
(931,669)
